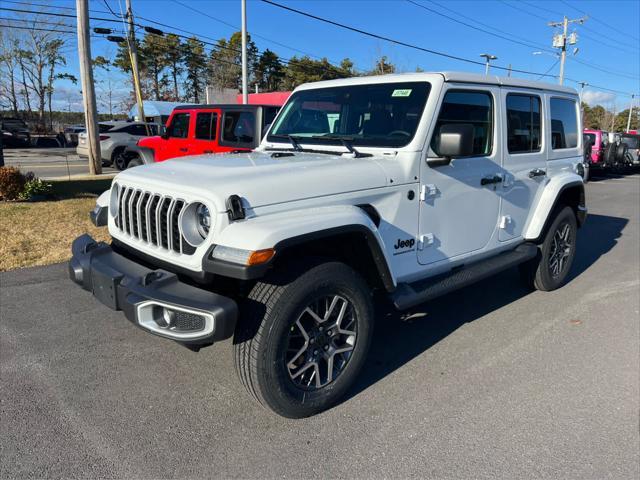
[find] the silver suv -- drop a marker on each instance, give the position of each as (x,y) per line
(115,137)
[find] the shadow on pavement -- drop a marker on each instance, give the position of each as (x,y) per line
(397,340)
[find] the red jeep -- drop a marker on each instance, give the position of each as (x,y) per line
(199,129)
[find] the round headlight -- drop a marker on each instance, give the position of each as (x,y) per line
(195,223)
(203,217)
(113,200)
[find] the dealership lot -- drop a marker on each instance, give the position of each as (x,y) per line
(490,381)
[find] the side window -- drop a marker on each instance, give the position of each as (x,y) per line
(471,107)
(179,127)
(523,123)
(139,130)
(564,123)
(238,127)
(206,126)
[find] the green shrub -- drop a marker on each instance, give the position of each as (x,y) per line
(11,183)
(35,187)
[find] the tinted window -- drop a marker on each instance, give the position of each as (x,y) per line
(382,115)
(104,127)
(631,142)
(238,127)
(179,127)
(136,130)
(206,126)
(523,123)
(564,123)
(475,108)
(268,115)
(591,137)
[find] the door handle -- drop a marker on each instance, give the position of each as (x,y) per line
(490,180)
(208,151)
(537,172)
(183,149)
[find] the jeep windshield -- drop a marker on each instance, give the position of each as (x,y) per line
(371,115)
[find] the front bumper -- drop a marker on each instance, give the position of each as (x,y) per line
(154,300)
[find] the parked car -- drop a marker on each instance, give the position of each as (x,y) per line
(198,129)
(71,134)
(599,140)
(632,141)
(115,137)
(15,132)
(408,186)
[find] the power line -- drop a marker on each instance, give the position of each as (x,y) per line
(416,47)
(391,40)
(17,27)
(597,19)
(31,4)
(498,35)
(550,68)
(200,12)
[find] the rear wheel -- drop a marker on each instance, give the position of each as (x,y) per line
(302,341)
(119,160)
(550,269)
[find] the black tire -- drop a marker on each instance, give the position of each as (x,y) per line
(135,162)
(541,273)
(621,151)
(610,154)
(269,317)
(119,159)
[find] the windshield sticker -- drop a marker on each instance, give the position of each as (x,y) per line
(401,92)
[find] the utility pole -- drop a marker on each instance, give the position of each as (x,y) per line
(488,57)
(88,91)
(630,111)
(560,40)
(133,57)
(245,92)
(582,85)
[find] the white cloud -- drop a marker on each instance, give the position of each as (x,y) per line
(593,97)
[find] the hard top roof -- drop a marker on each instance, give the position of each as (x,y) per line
(461,77)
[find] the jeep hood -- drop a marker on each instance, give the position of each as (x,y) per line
(260,178)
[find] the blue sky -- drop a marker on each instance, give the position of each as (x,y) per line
(608,42)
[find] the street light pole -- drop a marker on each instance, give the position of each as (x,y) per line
(245,91)
(630,111)
(488,57)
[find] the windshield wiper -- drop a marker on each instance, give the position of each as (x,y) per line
(346,141)
(295,143)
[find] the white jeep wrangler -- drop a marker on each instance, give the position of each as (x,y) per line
(409,185)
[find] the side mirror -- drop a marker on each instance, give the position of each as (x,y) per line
(456,140)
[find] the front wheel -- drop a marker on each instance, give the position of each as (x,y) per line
(550,269)
(301,343)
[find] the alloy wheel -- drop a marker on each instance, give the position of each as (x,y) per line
(560,250)
(321,342)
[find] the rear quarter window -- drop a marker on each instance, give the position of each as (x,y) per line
(564,123)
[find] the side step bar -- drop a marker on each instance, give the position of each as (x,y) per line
(408,295)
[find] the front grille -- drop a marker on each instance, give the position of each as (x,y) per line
(152,218)
(187,322)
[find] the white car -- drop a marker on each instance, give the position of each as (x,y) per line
(115,137)
(407,186)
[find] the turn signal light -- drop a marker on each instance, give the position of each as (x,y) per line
(261,256)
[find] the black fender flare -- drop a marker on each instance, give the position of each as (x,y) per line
(146,154)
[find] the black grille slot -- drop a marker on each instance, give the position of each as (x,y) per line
(175,230)
(152,219)
(134,213)
(143,217)
(187,322)
(125,211)
(164,209)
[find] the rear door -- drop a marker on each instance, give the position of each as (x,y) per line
(205,132)
(524,159)
(176,142)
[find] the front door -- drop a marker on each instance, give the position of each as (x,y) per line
(458,209)
(177,141)
(524,159)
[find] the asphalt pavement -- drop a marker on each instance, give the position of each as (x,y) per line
(492,381)
(50,163)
